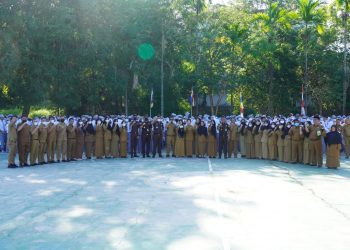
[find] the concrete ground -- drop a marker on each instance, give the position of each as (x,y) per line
(174,204)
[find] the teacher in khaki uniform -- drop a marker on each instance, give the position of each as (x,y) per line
(61,148)
(170,137)
(34,143)
(42,140)
(12,142)
(317,132)
(23,137)
(346,134)
(51,140)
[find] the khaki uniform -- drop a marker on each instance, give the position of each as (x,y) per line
(89,142)
(242,142)
(346,134)
(264,144)
(333,155)
(257,142)
(272,144)
(23,142)
(297,138)
(123,142)
(61,146)
(249,143)
(280,145)
(287,149)
(107,138)
(99,147)
(12,143)
(51,142)
(71,143)
(189,136)
(115,143)
(233,141)
(306,154)
(315,136)
(179,145)
(34,144)
(42,142)
(170,138)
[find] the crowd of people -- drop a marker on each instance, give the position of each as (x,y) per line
(290,139)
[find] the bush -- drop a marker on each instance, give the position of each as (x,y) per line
(41,112)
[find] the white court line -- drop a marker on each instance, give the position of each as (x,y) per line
(218,205)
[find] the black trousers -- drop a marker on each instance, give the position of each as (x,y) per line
(157,144)
(133,145)
(146,145)
(223,147)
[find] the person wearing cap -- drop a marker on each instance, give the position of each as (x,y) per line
(34,143)
(189,137)
(42,140)
(99,147)
(107,137)
(257,133)
(23,137)
(212,145)
(333,142)
(158,129)
(234,138)
(297,137)
(89,139)
(51,140)
(224,132)
(317,132)
(346,135)
(12,142)
(61,146)
(71,140)
(170,137)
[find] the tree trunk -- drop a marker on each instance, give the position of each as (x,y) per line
(306,76)
(270,78)
(345,66)
(211,104)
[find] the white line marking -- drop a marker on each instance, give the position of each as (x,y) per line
(218,205)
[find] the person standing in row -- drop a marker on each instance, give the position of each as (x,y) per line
(242,144)
(224,131)
(272,142)
(333,142)
(264,129)
(71,140)
(61,148)
(107,138)
(170,137)
(23,143)
(115,139)
(212,146)
(346,134)
(158,128)
(12,142)
(99,147)
(297,136)
(79,140)
(249,141)
(146,134)
(51,140)
(34,143)
(189,136)
(317,132)
(257,139)
(134,137)
(287,144)
(42,140)
(123,140)
(202,134)
(180,141)
(280,141)
(306,145)
(233,143)
(89,139)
